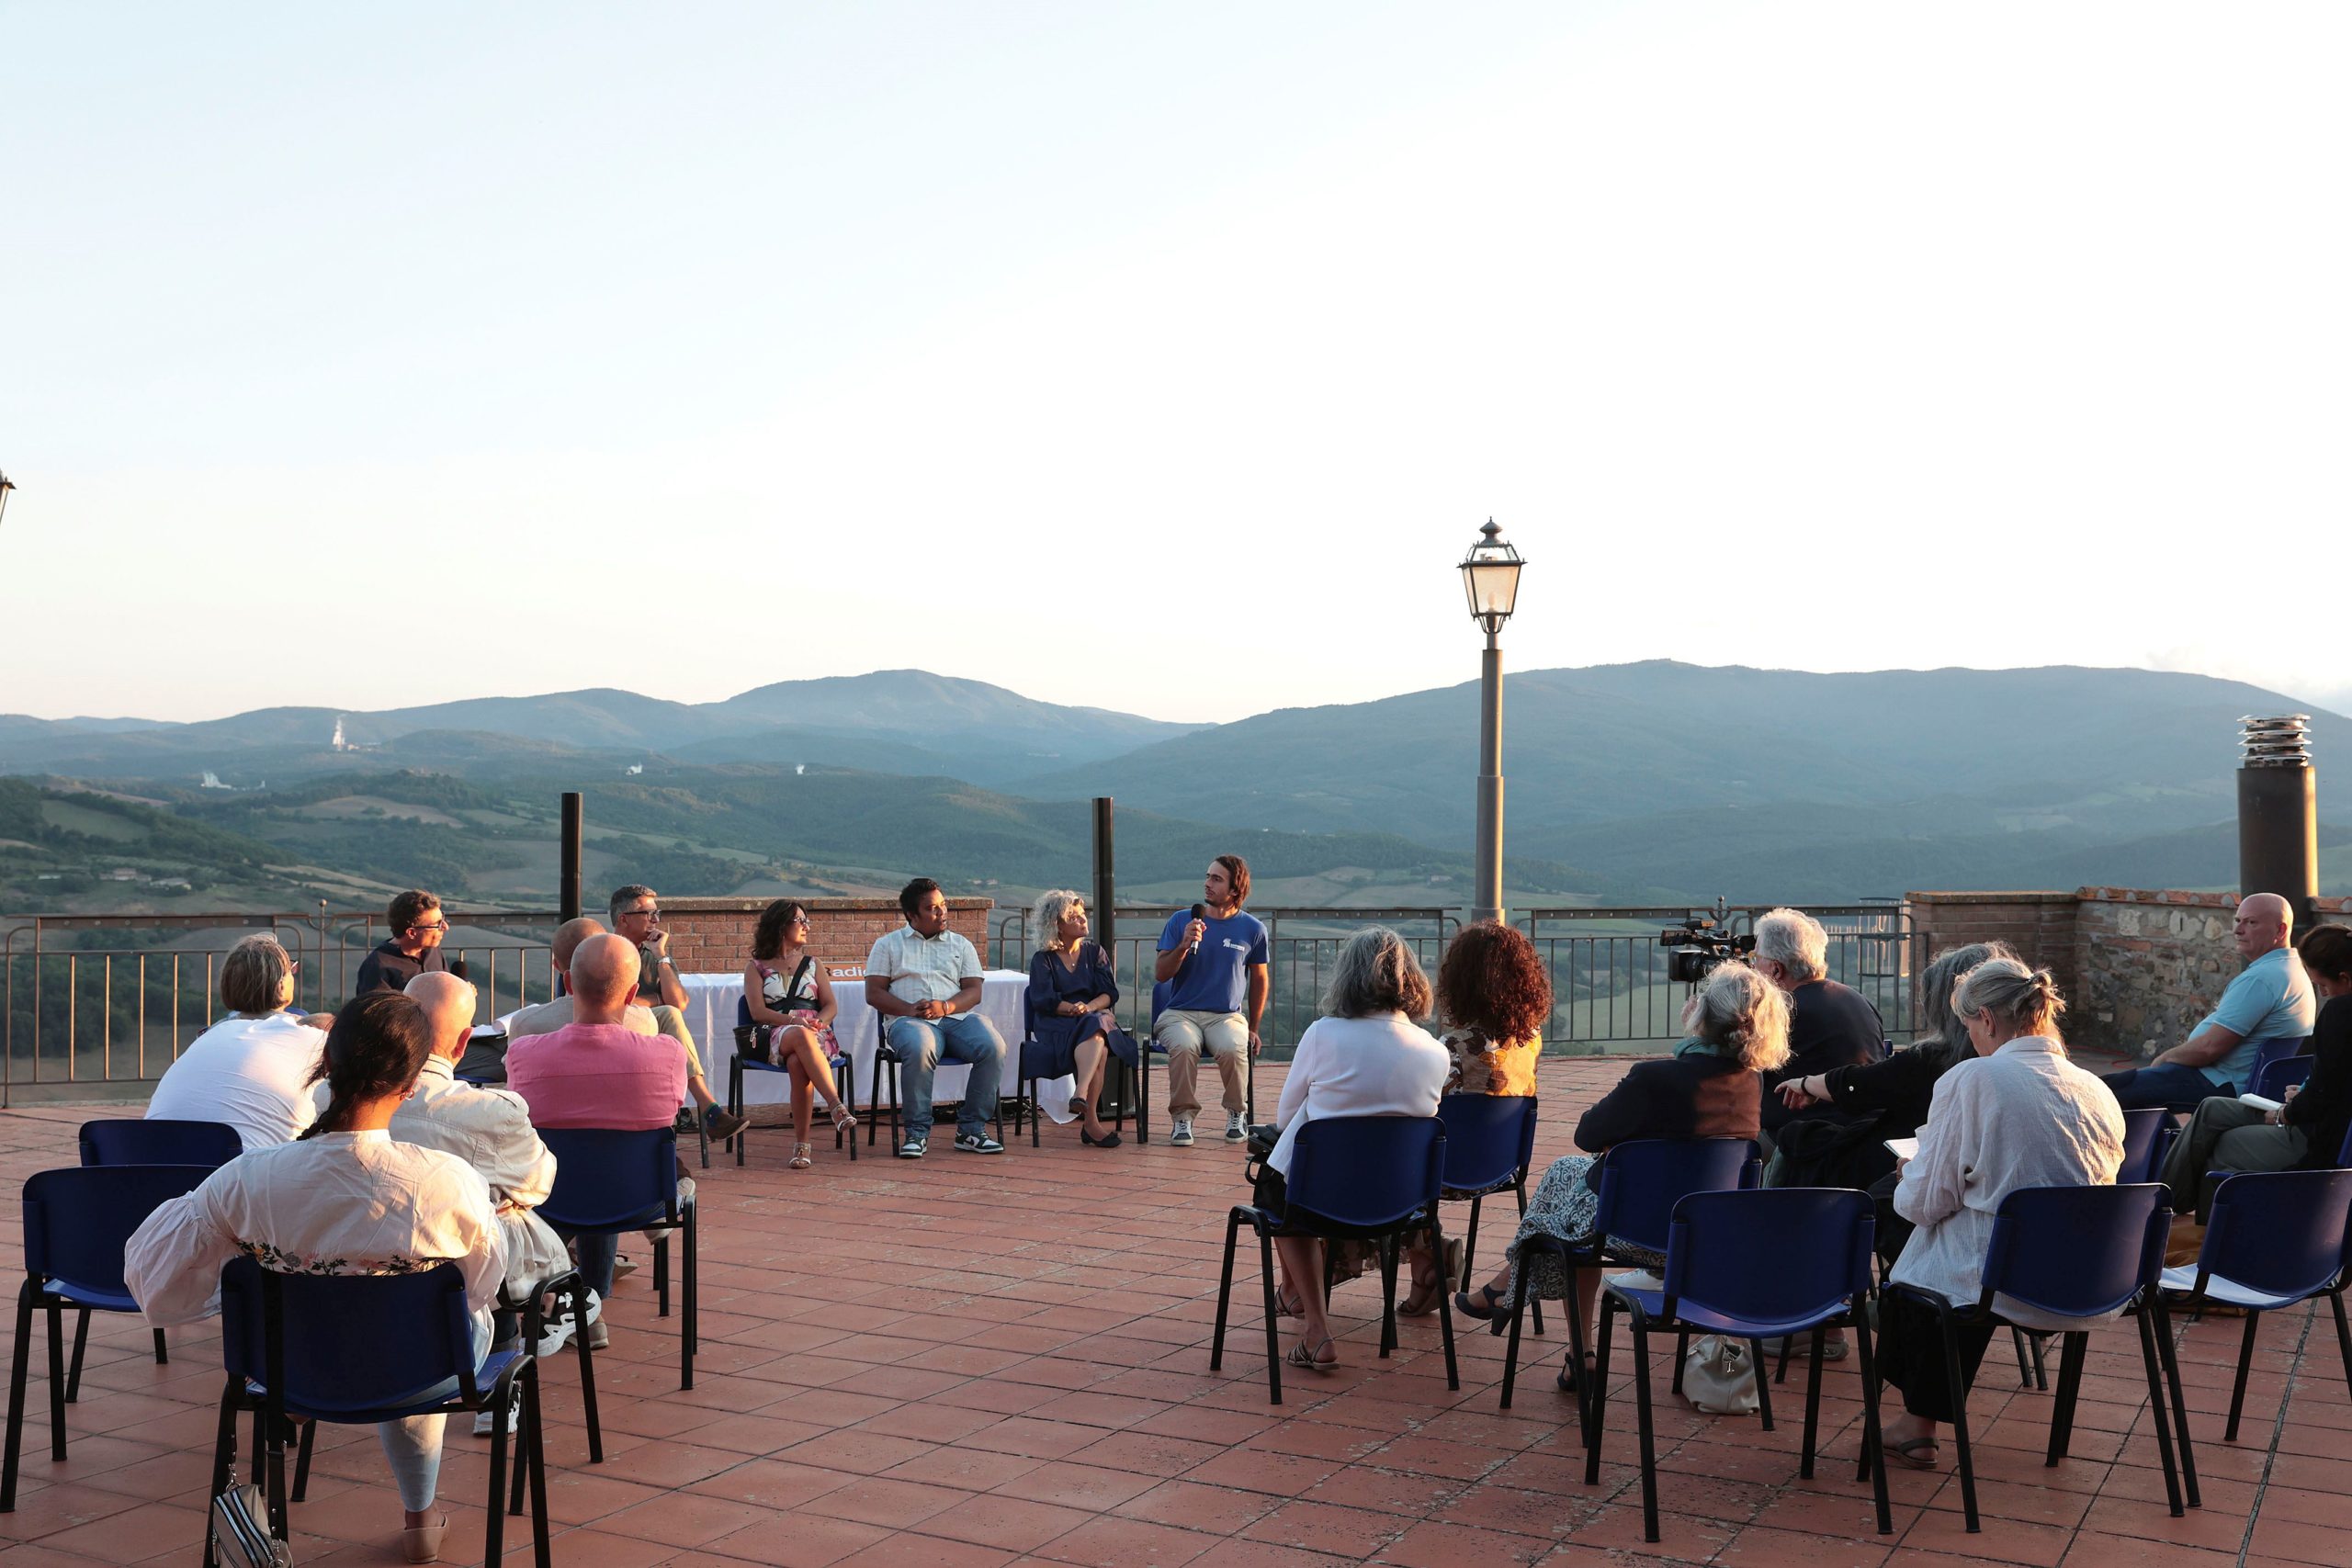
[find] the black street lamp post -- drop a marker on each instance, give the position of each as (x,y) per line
(1490,576)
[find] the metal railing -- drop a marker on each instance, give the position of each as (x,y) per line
(85,1011)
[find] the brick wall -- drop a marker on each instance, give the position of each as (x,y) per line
(2139,968)
(714,935)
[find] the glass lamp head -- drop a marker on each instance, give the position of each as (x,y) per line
(1490,577)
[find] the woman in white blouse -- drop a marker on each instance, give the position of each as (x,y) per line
(1364,1058)
(344,1199)
(2018,1114)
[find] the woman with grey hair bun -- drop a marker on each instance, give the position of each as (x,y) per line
(1365,1056)
(2015,1114)
(1708,1087)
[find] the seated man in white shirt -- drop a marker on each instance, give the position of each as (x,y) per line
(491,1130)
(718,1122)
(925,982)
(252,1070)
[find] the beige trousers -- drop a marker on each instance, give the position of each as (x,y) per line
(1226,1035)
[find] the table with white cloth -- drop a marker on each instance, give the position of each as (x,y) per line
(710,1014)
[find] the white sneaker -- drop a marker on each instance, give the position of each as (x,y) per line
(485,1420)
(1236,1128)
(558,1335)
(1181,1134)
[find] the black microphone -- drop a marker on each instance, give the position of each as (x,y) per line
(1200,912)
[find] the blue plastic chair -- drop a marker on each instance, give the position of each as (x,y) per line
(2147,1139)
(1641,1181)
(357,1349)
(2087,1252)
(607,1181)
(2273,1238)
(1750,1264)
(122,1141)
(747,1037)
(76,1223)
(2271,1050)
(1351,1177)
(2277,1077)
(1489,1144)
(1030,1073)
(1160,991)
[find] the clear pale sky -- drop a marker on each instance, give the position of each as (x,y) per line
(1162,356)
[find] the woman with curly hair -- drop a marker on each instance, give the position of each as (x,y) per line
(792,1009)
(1495,991)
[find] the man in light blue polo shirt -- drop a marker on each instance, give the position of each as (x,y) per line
(2271,1000)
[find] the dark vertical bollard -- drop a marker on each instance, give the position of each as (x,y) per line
(568,900)
(2279,816)
(1106,891)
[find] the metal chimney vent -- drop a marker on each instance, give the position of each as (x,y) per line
(2283,742)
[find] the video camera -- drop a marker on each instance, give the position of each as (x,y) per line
(1697,945)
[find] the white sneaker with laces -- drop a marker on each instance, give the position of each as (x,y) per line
(1236,1128)
(1181,1134)
(485,1420)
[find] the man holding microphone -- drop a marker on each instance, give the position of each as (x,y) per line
(1213,957)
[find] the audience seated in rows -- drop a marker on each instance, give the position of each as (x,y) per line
(491,1130)
(924,980)
(253,1069)
(2307,1133)
(1365,1056)
(1710,1087)
(1214,969)
(418,927)
(662,1018)
(2017,1114)
(1072,989)
(792,1005)
(598,1071)
(2270,1000)
(344,1199)
(1831,1025)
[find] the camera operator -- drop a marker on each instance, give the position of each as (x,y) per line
(1830,1025)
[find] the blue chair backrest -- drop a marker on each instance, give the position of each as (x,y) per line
(350,1342)
(607,1179)
(77,1218)
(742,1012)
(1160,991)
(2275,1077)
(164,1142)
(2271,1050)
(2077,1251)
(2141,1144)
(2280,1232)
(1644,1179)
(1367,1171)
(1489,1138)
(1769,1253)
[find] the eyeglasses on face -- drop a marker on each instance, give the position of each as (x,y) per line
(436,926)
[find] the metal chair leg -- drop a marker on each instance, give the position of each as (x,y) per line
(2245,1363)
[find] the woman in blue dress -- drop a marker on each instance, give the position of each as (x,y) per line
(1071,993)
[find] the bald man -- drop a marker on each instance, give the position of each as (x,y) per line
(491,1130)
(716,1120)
(596,1071)
(2271,1000)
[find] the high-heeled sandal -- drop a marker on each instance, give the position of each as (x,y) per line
(803,1156)
(844,1119)
(1421,1300)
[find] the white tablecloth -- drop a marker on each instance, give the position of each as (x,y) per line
(710,1014)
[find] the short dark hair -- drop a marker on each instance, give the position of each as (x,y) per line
(2328,949)
(1237,876)
(628,895)
(914,893)
(409,907)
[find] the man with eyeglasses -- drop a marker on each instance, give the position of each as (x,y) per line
(413,949)
(636,914)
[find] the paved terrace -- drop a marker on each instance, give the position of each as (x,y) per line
(971,1362)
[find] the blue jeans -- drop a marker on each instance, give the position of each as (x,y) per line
(922,1044)
(2171,1085)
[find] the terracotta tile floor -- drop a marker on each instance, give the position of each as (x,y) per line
(975,1361)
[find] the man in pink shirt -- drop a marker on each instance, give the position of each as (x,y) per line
(598,1072)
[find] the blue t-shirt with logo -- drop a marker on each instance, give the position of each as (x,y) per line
(2270,1000)
(1216,977)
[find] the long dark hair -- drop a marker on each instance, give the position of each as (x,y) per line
(376,1047)
(767,937)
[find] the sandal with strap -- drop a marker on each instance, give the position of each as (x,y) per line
(802,1158)
(844,1119)
(1303,1359)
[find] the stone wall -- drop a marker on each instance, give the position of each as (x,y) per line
(2140,969)
(715,935)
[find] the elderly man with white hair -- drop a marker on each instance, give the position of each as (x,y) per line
(2270,1000)
(1830,1025)
(491,1130)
